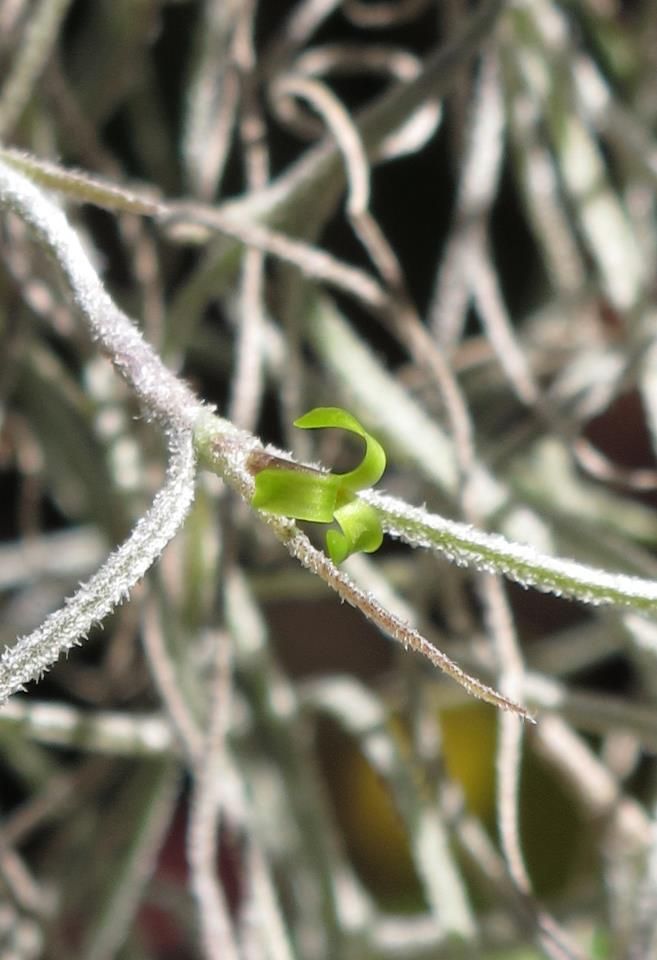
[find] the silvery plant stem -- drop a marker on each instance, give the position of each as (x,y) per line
(164,398)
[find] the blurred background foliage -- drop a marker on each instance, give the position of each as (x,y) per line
(512,231)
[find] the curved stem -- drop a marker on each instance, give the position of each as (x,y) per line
(164,397)
(33,654)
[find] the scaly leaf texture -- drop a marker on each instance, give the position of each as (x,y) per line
(33,654)
(467,546)
(164,397)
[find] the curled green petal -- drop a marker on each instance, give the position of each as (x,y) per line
(370,470)
(304,493)
(301,494)
(361,531)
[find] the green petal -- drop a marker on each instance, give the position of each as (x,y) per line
(297,493)
(373,464)
(307,494)
(361,530)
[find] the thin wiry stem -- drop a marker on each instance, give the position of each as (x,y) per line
(212,99)
(19,882)
(209,778)
(30,60)
(479,179)
(271,936)
(36,652)
(248,381)
(501,628)
(311,260)
(317,562)
(164,397)
(167,682)
(80,186)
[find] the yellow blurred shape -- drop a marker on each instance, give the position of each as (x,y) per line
(373,829)
(469,737)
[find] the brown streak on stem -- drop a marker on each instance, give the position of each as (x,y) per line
(259,460)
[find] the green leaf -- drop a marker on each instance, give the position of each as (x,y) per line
(370,470)
(361,530)
(296,493)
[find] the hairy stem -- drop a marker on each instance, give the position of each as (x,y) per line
(34,653)
(164,397)
(467,546)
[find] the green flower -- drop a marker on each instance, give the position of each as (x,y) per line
(308,494)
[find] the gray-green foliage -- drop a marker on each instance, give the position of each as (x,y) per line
(490,467)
